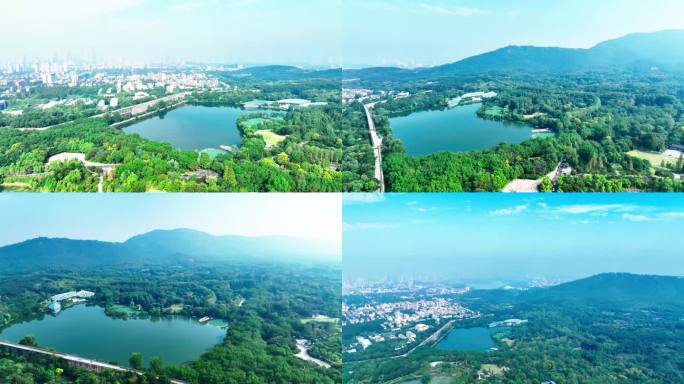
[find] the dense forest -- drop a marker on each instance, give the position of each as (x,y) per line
(596,118)
(613,328)
(307,160)
(259,345)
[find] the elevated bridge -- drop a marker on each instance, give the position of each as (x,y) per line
(74,361)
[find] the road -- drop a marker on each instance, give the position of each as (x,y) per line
(376,141)
(89,364)
(133,110)
(531,186)
(430,339)
(434,337)
(304,354)
(104,169)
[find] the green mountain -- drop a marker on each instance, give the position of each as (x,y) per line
(286,72)
(663,50)
(160,247)
(615,290)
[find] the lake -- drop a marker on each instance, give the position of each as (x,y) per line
(192,127)
(478,339)
(455,130)
(87,332)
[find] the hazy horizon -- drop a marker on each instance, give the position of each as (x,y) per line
(510,237)
(118,217)
(301,32)
(402,33)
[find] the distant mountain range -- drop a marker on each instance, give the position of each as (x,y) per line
(663,50)
(287,72)
(160,247)
(614,290)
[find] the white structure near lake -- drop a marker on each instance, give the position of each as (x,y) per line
(73,295)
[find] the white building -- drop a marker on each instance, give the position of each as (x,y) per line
(72,295)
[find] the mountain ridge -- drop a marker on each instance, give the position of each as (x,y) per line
(179,245)
(643,51)
(619,290)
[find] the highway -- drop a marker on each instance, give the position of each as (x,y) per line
(376,141)
(434,337)
(92,365)
(431,339)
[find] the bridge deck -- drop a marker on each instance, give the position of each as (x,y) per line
(75,359)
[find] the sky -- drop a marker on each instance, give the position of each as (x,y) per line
(484,238)
(354,33)
(301,32)
(433,32)
(117,217)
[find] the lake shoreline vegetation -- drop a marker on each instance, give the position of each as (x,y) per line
(267,306)
(609,115)
(300,152)
(603,163)
(570,333)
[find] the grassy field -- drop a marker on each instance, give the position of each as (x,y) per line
(533,115)
(656,159)
(124,309)
(271,138)
(250,123)
(175,308)
(494,111)
(492,369)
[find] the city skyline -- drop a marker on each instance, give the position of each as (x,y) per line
(434,32)
(154,31)
(117,217)
(500,238)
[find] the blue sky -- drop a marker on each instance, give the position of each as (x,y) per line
(117,217)
(316,32)
(233,31)
(503,237)
(431,32)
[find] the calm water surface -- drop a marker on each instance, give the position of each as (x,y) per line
(192,127)
(478,339)
(455,130)
(88,332)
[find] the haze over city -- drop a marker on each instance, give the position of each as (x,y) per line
(502,238)
(153,31)
(425,33)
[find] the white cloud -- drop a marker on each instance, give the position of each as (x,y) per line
(509,211)
(452,11)
(672,215)
(592,208)
(637,218)
(361,226)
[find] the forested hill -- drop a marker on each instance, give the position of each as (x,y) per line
(286,72)
(615,290)
(160,248)
(663,50)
